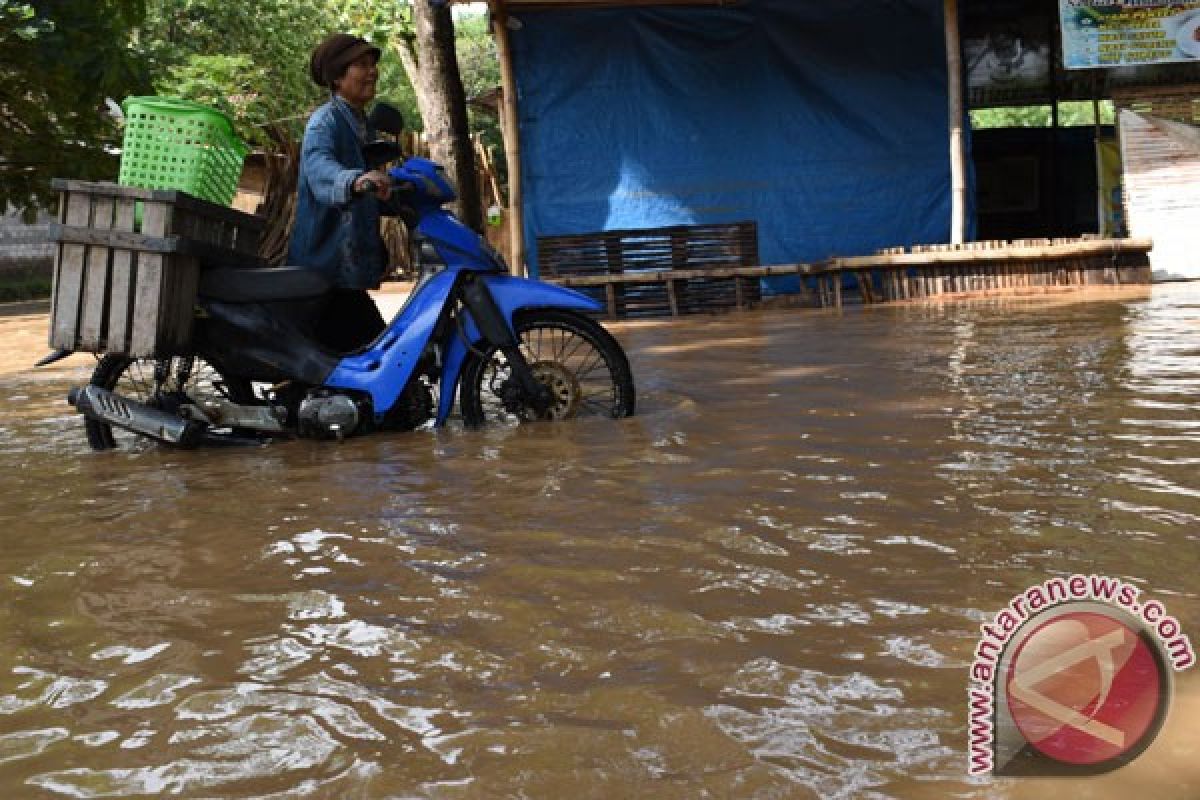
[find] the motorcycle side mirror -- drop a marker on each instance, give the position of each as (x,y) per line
(386,119)
(377,154)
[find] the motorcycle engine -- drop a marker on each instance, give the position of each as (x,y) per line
(326,415)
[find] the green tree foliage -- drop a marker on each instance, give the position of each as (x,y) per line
(59,60)
(480,67)
(250,60)
(388,25)
(1070,114)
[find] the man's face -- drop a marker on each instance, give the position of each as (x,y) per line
(357,84)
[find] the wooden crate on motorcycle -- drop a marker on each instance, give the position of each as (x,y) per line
(128,263)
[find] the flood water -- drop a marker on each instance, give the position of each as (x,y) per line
(767,584)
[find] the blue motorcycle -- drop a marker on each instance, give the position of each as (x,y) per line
(509,349)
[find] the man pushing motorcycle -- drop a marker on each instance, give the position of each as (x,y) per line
(470,336)
(339,197)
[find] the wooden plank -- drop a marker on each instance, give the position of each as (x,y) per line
(210,254)
(68,277)
(95,281)
(155,219)
(661,275)
(175,306)
(182,301)
(54,281)
(120,300)
(146,312)
(1107,247)
(672,298)
(152,283)
(92,235)
(169,323)
(178,199)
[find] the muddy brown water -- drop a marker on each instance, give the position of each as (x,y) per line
(767,584)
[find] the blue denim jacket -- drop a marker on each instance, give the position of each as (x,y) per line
(335,233)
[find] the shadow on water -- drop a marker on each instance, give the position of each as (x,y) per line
(766,584)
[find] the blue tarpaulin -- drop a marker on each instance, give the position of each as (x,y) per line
(825,123)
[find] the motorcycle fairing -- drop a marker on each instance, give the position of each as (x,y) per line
(384,369)
(456,243)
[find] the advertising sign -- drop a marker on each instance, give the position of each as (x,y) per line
(1101,33)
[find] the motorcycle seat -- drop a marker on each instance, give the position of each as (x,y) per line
(271,284)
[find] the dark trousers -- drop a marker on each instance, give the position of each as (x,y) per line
(350,322)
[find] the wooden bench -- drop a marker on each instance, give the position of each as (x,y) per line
(682,269)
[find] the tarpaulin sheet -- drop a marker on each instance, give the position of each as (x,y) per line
(825,123)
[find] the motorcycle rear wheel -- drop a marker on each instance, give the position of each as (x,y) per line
(581,363)
(147,381)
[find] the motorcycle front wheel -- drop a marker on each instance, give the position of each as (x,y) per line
(159,383)
(581,363)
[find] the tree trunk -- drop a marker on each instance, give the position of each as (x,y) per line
(443,104)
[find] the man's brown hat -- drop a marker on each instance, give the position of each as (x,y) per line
(335,54)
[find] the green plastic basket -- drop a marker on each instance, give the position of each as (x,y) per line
(177,144)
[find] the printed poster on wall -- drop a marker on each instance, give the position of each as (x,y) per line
(1006,47)
(1102,33)
(1108,186)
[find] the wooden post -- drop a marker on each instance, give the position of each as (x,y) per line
(954,88)
(1054,126)
(512,138)
(1100,204)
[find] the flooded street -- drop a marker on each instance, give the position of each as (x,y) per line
(767,584)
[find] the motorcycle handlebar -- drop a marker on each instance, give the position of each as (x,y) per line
(371,187)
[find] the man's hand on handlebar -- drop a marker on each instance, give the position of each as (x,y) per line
(374,182)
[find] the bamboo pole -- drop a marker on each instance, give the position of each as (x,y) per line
(491,174)
(954,89)
(512,137)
